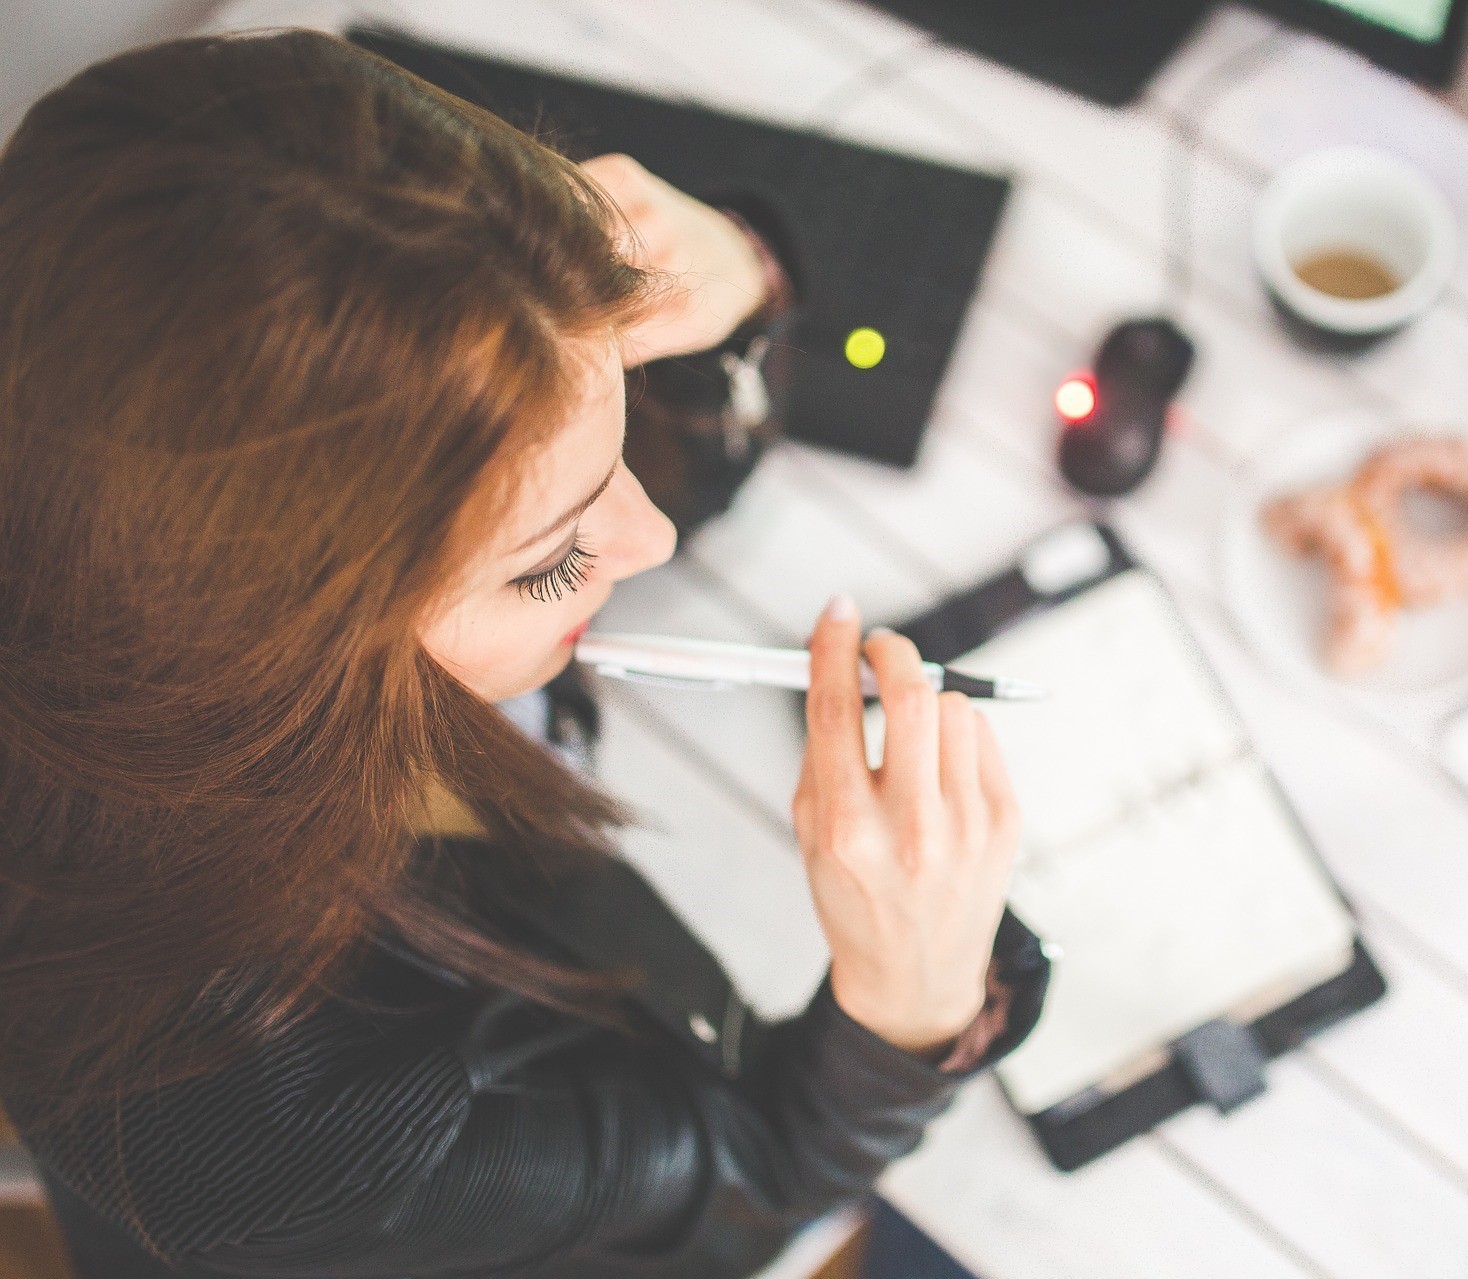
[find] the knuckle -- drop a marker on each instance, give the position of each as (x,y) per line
(890,646)
(1004,825)
(918,842)
(807,839)
(992,825)
(978,839)
(957,717)
(844,824)
(972,814)
(1001,790)
(827,710)
(911,700)
(843,814)
(620,165)
(653,224)
(804,822)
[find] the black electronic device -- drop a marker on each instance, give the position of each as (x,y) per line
(1421,39)
(1107,52)
(886,250)
(1116,416)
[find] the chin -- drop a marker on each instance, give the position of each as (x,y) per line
(553,665)
(558,660)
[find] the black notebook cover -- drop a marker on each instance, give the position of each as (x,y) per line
(1086,1126)
(873,239)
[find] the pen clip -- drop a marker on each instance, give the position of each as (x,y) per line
(666,681)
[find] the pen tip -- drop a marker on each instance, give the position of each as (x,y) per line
(1019,690)
(1000,689)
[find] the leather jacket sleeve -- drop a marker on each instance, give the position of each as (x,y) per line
(632,1152)
(494,1137)
(622,1155)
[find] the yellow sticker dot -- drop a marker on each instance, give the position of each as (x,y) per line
(865,348)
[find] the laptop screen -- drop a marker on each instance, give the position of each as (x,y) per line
(1422,20)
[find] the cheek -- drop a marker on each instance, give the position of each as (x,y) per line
(500,651)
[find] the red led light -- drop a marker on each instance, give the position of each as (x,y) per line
(1075,398)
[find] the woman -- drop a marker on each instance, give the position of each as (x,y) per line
(311,409)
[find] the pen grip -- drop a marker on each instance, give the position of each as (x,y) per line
(932,672)
(792,670)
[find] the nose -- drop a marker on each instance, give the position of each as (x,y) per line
(644,536)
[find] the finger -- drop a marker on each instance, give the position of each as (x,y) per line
(836,748)
(615,172)
(645,199)
(959,766)
(994,776)
(626,184)
(803,805)
(910,704)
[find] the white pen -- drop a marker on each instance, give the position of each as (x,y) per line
(666,659)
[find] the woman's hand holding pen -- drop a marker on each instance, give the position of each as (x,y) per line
(909,863)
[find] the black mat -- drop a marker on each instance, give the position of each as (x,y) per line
(876,240)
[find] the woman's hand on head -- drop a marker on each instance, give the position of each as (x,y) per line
(909,863)
(716,279)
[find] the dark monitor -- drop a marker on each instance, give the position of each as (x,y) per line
(1108,50)
(1421,39)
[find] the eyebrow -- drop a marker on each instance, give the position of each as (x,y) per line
(579,509)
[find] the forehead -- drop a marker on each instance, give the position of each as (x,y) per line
(576,456)
(538,479)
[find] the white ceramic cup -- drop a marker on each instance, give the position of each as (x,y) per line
(1352,198)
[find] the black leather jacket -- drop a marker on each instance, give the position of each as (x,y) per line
(440,1132)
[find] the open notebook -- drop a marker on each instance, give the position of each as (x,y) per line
(1157,852)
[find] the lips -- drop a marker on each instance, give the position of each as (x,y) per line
(577,633)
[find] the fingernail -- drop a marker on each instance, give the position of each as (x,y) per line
(842,608)
(880,630)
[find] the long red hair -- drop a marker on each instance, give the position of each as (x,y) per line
(272,314)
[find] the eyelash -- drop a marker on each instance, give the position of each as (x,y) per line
(569,575)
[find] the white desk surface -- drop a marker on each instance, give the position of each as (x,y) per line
(1355,1163)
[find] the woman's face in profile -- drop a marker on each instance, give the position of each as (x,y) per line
(580,523)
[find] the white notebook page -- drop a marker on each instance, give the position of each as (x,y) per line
(1156,852)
